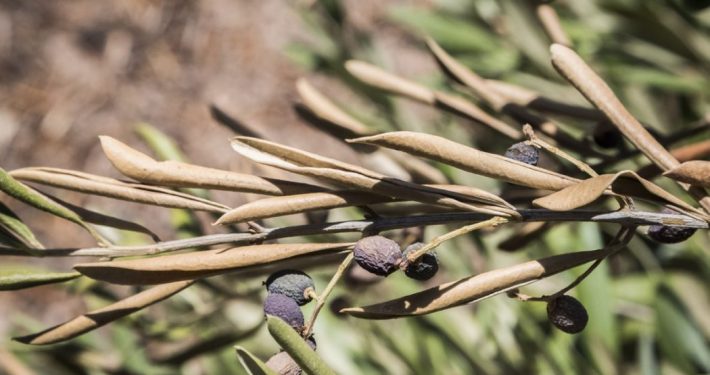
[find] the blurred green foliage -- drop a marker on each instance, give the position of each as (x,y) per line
(648,306)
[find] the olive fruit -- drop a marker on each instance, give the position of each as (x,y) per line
(291,283)
(567,313)
(523,152)
(284,307)
(423,268)
(377,254)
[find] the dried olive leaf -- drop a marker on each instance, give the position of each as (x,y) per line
(194,265)
(141,167)
(292,204)
(624,183)
(325,109)
(10,223)
(467,109)
(693,151)
(695,172)
(375,76)
(470,159)
(97,318)
(306,163)
(381,79)
(571,66)
(575,70)
(21,192)
(417,168)
(107,187)
(462,74)
(297,347)
(473,288)
(22,280)
(98,218)
(252,364)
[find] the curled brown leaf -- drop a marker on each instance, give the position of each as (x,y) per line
(623,183)
(694,172)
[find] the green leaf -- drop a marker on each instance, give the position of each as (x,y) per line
(10,223)
(453,33)
(27,195)
(296,347)
(251,363)
(163,146)
(22,280)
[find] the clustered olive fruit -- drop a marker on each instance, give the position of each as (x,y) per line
(423,268)
(523,152)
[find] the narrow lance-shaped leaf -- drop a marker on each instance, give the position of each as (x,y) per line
(317,166)
(377,77)
(297,347)
(694,172)
(22,280)
(334,116)
(12,224)
(473,288)
(292,204)
(141,167)
(624,182)
(251,363)
(199,264)
(470,159)
(23,193)
(107,187)
(324,108)
(574,69)
(105,315)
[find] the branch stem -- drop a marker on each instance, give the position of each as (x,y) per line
(624,217)
(320,300)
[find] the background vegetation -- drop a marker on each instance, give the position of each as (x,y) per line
(648,305)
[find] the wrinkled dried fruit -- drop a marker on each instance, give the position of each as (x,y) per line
(523,152)
(291,283)
(283,364)
(669,234)
(567,313)
(425,267)
(377,254)
(285,308)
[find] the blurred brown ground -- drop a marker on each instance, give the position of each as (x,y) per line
(70,71)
